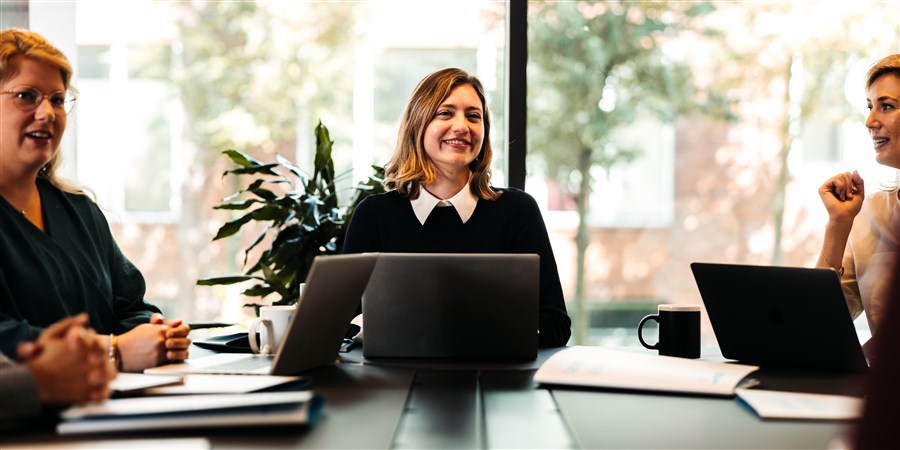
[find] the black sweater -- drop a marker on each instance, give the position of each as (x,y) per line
(510,224)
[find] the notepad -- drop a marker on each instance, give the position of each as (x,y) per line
(192,411)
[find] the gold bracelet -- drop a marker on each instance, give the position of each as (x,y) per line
(113,347)
(840,270)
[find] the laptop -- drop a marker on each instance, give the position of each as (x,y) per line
(333,290)
(789,317)
(452,306)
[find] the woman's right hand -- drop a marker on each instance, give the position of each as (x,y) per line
(843,196)
(68,364)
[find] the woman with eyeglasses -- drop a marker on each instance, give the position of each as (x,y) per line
(861,236)
(57,255)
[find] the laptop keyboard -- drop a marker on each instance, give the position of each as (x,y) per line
(245,364)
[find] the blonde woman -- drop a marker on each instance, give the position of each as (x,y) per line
(58,256)
(860,241)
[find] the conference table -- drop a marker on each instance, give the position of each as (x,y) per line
(407,404)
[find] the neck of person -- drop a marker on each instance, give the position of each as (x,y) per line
(449,184)
(19,189)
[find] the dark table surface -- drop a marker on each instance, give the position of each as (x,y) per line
(440,404)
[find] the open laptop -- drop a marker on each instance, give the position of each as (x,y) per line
(452,306)
(333,290)
(790,317)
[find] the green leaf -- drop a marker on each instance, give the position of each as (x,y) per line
(323,175)
(243,204)
(241,158)
(263,169)
(269,212)
(260,290)
(232,227)
(264,194)
(234,279)
(274,281)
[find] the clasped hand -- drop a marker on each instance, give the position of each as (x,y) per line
(68,363)
(151,344)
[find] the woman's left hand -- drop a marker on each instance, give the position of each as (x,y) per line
(177,342)
(154,343)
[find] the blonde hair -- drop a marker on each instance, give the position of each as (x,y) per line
(16,43)
(888,65)
(410,168)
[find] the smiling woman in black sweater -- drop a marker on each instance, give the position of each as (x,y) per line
(440,200)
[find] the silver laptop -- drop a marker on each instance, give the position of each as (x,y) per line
(770,316)
(452,306)
(333,290)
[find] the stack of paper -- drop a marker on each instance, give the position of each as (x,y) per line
(192,411)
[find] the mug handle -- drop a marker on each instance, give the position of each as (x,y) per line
(654,317)
(270,334)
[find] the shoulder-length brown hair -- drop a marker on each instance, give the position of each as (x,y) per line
(410,168)
(15,43)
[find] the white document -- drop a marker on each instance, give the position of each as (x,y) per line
(191,443)
(221,384)
(129,382)
(600,367)
(795,405)
(191,411)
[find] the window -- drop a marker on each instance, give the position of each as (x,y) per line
(138,139)
(665,133)
(705,141)
(166,86)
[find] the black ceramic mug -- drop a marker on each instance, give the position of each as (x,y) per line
(679,330)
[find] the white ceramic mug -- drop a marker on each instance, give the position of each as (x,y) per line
(275,320)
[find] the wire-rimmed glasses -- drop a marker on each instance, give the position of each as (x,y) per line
(28,99)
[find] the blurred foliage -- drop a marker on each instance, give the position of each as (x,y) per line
(250,72)
(581,52)
(595,67)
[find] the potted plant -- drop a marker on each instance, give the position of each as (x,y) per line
(302,221)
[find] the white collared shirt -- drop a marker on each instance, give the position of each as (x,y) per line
(464,201)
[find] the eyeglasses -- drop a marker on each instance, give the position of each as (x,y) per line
(28,99)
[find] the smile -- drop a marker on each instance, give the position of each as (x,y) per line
(39,135)
(456,142)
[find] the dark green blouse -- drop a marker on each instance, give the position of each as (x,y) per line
(74,267)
